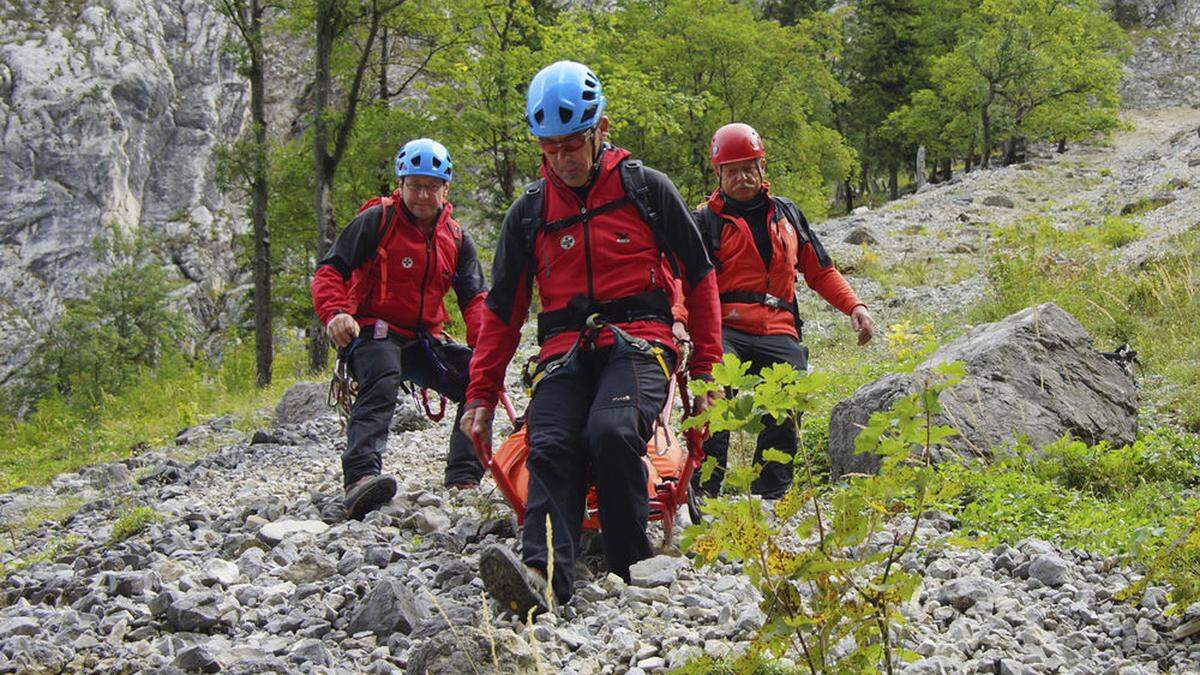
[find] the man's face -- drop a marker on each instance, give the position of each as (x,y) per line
(423,195)
(741,180)
(571,157)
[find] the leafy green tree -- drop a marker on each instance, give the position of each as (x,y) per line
(676,70)
(123,324)
(1026,64)
(884,62)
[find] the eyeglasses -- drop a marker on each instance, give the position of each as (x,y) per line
(569,144)
(423,188)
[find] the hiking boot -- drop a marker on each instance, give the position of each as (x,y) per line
(367,494)
(513,583)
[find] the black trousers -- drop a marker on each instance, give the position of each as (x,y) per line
(761,351)
(379,366)
(591,419)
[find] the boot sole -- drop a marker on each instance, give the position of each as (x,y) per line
(504,577)
(373,496)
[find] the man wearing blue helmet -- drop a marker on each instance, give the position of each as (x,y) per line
(379,292)
(599,236)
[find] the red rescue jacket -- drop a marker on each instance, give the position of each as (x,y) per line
(741,268)
(383,268)
(609,256)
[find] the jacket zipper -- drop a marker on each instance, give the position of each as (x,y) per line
(587,252)
(424,278)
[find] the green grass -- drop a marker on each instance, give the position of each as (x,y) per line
(62,436)
(131,522)
(1155,308)
(1105,500)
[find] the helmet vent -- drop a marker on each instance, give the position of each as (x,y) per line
(540,115)
(564,114)
(588,114)
(437,163)
(588,96)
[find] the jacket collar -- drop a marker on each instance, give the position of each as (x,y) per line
(610,157)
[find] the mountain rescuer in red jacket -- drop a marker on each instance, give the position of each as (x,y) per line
(379,292)
(758,242)
(599,235)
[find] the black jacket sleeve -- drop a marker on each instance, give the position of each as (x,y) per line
(468,276)
(356,243)
(512,267)
(680,233)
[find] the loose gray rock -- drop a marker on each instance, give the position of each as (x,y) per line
(312,566)
(198,659)
(964,592)
(464,649)
(311,651)
(1033,374)
(1049,569)
(661,570)
(390,607)
(998,200)
(20,625)
(861,235)
(200,612)
(273,533)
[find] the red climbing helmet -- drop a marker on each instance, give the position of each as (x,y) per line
(736,142)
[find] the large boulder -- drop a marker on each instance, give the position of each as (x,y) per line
(302,402)
(1034,374)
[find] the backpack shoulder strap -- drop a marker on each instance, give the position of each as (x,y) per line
(796,217)
(637,188)
(530,212)
(711,225)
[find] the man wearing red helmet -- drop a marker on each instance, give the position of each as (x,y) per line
(758,242)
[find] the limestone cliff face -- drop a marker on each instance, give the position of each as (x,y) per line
(1164,70)
(112,112)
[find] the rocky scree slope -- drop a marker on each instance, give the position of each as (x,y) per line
(251,568)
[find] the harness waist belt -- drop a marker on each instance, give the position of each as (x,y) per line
(653,305)
(759,299)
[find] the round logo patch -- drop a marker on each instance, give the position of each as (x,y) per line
(567,242)
(406,263)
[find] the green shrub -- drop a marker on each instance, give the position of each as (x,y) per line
(132,522)
(1116,231)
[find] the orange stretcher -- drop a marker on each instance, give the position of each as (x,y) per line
(669,467)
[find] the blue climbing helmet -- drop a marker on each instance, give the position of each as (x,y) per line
(563,98)
(424,157)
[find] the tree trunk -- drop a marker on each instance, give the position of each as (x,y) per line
(919,172)
(849,194)
(383,66)
(894,181)
(985,121)
(969,162)
(263,334)
(947,169)
(1062,145)
(318,345)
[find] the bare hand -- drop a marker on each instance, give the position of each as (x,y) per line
(702,402)
(477,425)
(342,329)
(862,323)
